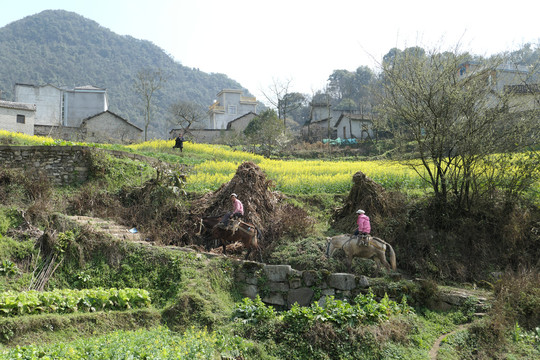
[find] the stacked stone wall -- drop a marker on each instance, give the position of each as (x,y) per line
(281,285)
(63,165)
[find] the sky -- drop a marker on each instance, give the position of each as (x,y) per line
(301,42)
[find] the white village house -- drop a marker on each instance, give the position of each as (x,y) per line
(17,117)
(230,105)
(354,126)
(523,82)
(328,123)
(229,114)
(78,114)
(62,107)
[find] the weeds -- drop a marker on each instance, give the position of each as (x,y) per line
(152,344)
(518,298)
(333,330)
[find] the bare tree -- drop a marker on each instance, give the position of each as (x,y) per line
(148,81)
(285,102)
(187,113)
(457,121)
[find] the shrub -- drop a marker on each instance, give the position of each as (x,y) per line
(253,311)
(9,218)
(24,187)
(518,298)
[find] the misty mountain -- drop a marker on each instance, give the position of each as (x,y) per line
(65,49)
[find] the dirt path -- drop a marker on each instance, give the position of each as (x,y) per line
(107,226)
(435,348)
(124,233)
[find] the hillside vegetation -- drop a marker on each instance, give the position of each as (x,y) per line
(197,310)
(65,49)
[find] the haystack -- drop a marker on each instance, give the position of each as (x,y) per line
(253,190)
(367,195)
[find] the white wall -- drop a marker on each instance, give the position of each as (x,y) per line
(83,104)
(8,120)
(234,105)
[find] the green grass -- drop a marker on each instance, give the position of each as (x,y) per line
(158,343)
(188,290)
(56,328)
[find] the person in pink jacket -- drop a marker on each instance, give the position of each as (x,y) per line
(364,226)
(237,212)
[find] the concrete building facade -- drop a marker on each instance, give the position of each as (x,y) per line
(228,116)
(503,76)
(62,107)
(214,136)
(46,98)
(239,124)
(78,114)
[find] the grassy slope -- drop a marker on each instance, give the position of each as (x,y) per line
(187,290)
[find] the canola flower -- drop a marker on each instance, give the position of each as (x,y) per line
(24,138)
(308,176)
(210,151)
(19,138)
(215,165)
(289,176)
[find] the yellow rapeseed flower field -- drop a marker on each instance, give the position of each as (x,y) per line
(213,165)
(297,176)
(219,164)
(308,176)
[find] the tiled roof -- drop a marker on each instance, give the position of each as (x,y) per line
(88,87)
(118,116)
(240,117)
(17,105)
(318,121)
(353,117)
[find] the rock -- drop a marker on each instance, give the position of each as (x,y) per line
(277,272)
(362,282)
(302,296)
(328,292)
(310,277)
(342,281)
(274,299)
(252,280)
(250,291)
(278,286)
(295,283)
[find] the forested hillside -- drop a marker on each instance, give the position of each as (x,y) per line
(65,49)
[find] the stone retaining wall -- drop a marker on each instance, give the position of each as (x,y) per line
(282,285)
(62,164)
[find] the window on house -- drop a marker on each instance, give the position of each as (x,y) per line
(21,119)
(232,109)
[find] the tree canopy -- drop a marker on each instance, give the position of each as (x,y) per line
(267,131)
